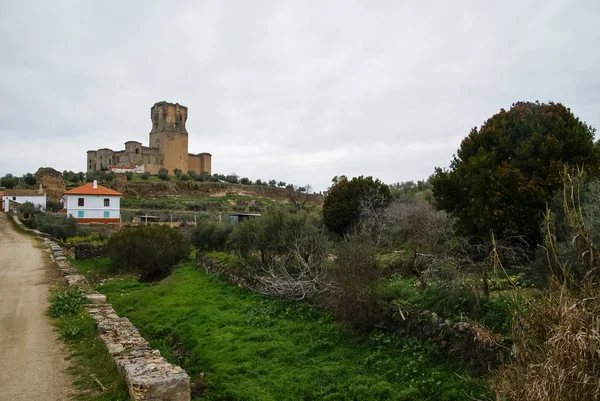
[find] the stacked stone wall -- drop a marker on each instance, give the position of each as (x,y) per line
(148,375)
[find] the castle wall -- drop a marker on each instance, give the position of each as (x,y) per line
(97,159)
(194,163)
(205,163)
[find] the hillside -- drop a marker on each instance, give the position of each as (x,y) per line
(193,189)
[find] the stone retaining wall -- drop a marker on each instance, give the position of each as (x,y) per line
(148,375)
(83,251)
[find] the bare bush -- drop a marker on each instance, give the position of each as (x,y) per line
(300,272)
(355,278)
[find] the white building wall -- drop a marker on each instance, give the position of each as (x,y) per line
(38,201)
(93,206)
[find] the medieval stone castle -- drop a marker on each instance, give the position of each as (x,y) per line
(168,146)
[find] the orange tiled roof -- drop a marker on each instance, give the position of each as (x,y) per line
(88,189)
(22,192)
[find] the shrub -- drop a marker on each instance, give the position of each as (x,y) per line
(245,181)
(177,172)
(146,250)
(211,235)
(356,278)
(29,209)
(69,303)
(129,175)
(57,226)
(145,176)
(53,206)
(163,174)
(184,177)
(204,176)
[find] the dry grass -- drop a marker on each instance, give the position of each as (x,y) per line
(557,341)
(556,349)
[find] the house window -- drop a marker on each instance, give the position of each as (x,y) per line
(14,198)
(80,214)
(106,214)
(137,151)
(106,202)
(80,202)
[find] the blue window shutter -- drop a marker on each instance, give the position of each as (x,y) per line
(80,213)
(106,214)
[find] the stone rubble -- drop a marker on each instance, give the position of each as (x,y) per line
(148,375)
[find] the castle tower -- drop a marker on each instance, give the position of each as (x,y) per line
(169,134)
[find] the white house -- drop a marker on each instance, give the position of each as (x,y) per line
(93,203)
(125,169)
(20,196)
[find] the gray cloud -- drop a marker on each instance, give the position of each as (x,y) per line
(298,91)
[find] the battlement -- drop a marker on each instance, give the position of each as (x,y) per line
(170,117)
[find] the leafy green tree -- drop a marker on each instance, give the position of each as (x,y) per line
(245,181)
(347,199)
(177,172)
(211,235)
(232,178)
(107,176)
(144,176)
(28,179)
(281,184)
(258,182)
(192,174)
(129,175)
(272,183)
(202,177)
(9,181)
(504,173)
(94,175)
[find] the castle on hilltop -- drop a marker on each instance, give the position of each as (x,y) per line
(168,147)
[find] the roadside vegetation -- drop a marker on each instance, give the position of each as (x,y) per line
(370,297)
(91,362)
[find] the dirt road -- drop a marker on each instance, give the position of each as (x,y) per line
(32,364)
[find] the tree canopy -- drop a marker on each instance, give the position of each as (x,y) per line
(504,173)
(346,200)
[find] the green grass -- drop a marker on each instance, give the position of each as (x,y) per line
(95,270)
(87,353)
(246,346)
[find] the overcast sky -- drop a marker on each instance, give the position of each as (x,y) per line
(298,91)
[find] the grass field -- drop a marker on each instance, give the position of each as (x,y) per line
(245,346)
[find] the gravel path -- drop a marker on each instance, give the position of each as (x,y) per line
(32,359)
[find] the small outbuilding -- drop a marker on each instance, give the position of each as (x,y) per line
(15,197)
(93,203)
